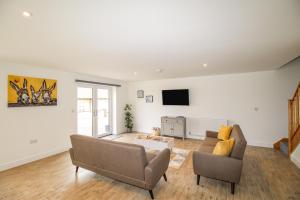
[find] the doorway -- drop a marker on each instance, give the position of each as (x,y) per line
(94,110)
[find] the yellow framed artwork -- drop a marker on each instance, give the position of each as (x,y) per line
(29,91)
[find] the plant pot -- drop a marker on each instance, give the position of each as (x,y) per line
(129,130)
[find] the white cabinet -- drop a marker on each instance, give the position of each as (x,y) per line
(173,126)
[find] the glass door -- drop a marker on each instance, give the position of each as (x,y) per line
(85,111)
(103,111)
(94,108)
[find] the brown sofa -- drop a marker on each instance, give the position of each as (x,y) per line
(127,163)
(220,167)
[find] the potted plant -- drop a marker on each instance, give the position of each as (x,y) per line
(128,118)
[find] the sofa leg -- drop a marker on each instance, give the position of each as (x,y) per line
(77,169)
(198,179)
(151,194)
(165,177)
(232,188)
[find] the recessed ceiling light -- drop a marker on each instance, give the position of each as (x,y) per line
(204,65)
(158,70)
(135,73)
(26,14)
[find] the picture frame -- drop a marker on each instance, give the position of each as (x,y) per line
(30,91)
(140,94)
(149,99)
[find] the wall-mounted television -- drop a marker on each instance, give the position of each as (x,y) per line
(176,97)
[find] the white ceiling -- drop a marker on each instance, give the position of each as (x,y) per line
(117,38)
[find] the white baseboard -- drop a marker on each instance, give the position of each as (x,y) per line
(191,136)
(16,163)
(294,160)
(260,144)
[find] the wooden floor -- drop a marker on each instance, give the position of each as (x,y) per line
(267,174)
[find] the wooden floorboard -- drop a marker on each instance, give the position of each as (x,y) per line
(267,174)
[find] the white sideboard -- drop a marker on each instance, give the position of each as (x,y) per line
(173,126)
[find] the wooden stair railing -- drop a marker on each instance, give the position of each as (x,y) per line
(294,121)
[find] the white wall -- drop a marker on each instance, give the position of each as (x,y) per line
(233,97)
(52,125)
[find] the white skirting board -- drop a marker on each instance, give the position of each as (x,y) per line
(197,137)
(259,144)
(32,158)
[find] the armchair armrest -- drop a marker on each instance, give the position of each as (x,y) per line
(71,155)
(156,168)
(212,134)
(218,167)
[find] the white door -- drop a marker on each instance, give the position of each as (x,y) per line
(94,110)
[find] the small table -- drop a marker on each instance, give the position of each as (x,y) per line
(154,142)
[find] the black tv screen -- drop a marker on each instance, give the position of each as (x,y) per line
(175,97)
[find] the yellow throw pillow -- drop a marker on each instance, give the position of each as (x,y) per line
(223,148)
(224,132)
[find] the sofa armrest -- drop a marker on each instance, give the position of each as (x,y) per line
(212,134)
(217,167)
(156,168)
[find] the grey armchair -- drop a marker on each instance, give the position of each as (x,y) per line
(222,168)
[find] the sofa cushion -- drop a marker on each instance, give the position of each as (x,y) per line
(211,140)
(206,147)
